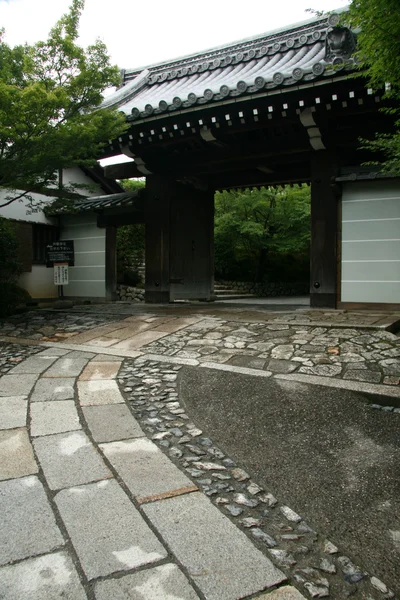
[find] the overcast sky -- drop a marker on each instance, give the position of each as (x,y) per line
(140,33)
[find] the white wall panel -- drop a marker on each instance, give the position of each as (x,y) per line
(371,242)
(87,277)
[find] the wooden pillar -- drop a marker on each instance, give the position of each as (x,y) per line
(160,191)
(111,263)
(324,227)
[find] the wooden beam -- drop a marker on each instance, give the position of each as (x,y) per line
(126,170)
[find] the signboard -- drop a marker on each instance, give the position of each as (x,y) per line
(60,252)
(61,274)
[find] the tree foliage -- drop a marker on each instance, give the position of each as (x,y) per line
(259,231)
(130,243)
(10,267)
(50,95)
(378,40)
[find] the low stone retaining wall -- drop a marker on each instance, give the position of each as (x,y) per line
(128,293)
(299,288)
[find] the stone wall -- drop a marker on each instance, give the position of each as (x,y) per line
(299,288)
(129,294)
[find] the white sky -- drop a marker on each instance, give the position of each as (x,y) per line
(138,33)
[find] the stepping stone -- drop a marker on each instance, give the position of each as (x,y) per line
(112,422)
(100,370)
(219,557)
(17,385)
(159,583)
(34,364)
(54,417)
(13,412)
(53,389)
(107,531)
(16,456)
(48,577)
(27,524)
(69,459)
(95,393)
(287,592)
(67,367)
(144,468)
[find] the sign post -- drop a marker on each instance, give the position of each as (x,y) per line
(60,255)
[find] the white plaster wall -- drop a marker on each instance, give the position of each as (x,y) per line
(76,175)
(371,242)
(39,282)
(87,277)
(19,211)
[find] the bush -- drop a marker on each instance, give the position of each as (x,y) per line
(130,253)
(11,296)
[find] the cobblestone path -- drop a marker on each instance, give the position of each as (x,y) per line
(108,490)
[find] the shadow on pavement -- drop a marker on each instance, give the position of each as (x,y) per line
(322,451)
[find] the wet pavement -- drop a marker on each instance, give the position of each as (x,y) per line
(194,452)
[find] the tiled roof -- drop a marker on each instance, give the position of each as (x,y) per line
(298,54)
(110,201)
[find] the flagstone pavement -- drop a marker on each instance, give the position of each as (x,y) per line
(101,502)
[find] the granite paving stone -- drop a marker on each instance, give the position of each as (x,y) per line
(16,456)
(219,557)
(66,367)
(27,524)
(107,531)
(287,592)
(69,459)
(34,364)
(139,340)
(100,370)
(99,392)
(144,468)
(47,390)
(17,385)
(112,422)
(53,417)
(48,577)
(165,582)
(13,412)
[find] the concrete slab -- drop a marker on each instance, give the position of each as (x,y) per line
(27,524)
(87,336)
(53,352)
(177,324)
(160,583)
(66,367)
(48,577)
(139,340)
(287,592)
(16,456)
(106,358)
(219,557)
(17,385)
(233,369)
(34,364)
(95,393)
(69,459)
(53,417)
(107,531)
(111,423)
(100,370)
(48,390)
(144,468)
(13,412)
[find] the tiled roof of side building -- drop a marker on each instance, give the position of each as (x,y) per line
(301,53)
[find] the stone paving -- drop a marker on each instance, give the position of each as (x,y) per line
(108,490)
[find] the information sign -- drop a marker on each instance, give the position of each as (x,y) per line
(60,252)
(61,274)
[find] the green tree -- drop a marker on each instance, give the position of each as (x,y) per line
(257,230)
(10,267)
(377,23)
(130,242)
(50,95)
